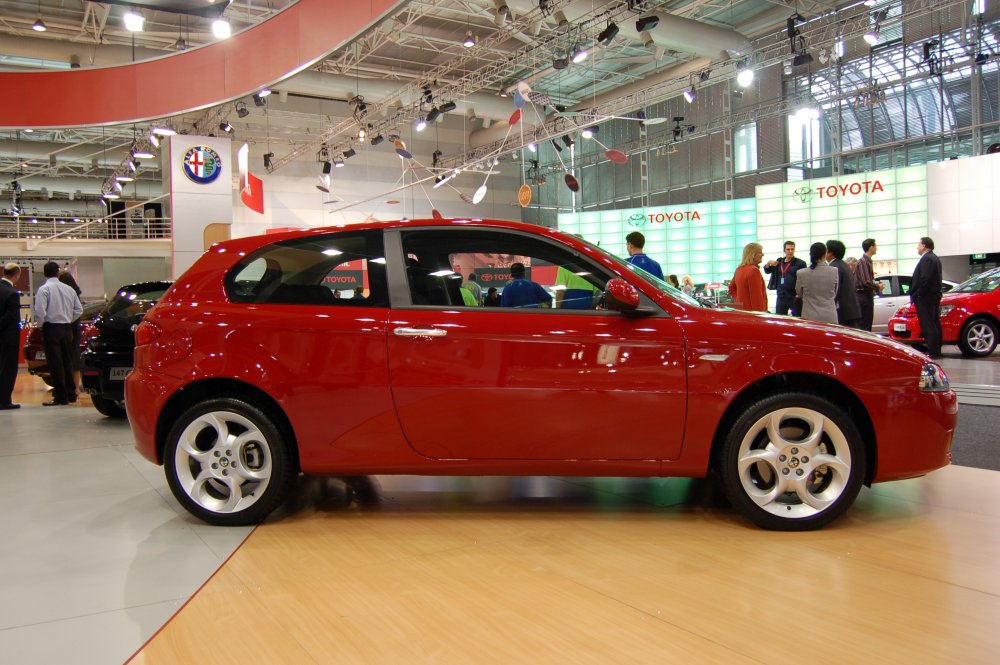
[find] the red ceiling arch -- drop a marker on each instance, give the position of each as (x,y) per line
(269,52)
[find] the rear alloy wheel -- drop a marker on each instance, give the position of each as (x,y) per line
(227,462)
(107,407)
(978,338)
(792,462)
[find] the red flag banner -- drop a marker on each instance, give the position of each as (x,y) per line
(253,193)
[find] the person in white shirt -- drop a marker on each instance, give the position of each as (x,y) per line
(56,308)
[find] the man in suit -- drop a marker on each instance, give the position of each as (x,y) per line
(10,334)
(848,309)
(925,294)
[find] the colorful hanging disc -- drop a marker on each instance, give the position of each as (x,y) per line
(518,100)
(616,156)
(479,195)
(404,153)
(572,183)
(524,196)
(436,215)
(515,117)
(465,197)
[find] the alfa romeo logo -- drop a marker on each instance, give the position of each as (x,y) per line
(803,194)
(638,219)
(202,164)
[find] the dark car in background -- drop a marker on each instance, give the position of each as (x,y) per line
(109,345)
(34,349)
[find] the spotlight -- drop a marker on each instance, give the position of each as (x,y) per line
(124,178)
(421,124)
(982,58)
(133,21)
(801,59)
(378,138)
(155,140)
(737,94)
(588,132)
(39,25)
(704,75)
(133,165)
(142,154)
(605,36)
(268,156)
(532,147)
(744,74)
(362,134)
(560,63)
(872,36)
(433,114)
(556,146)
(579,54)
(470,40)
(258,99)
(327,167)
(163,131)
(338,162)
(226,127)
(242,110)
(647,23)
(349,153)
(221,28)
(448,106)
(568,140)
(689,95)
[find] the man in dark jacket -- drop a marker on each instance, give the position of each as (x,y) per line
(10,334)
(848,309)
(925,294)
(783,281)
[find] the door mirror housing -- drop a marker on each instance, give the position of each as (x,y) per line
(621,296)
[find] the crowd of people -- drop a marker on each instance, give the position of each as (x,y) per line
(833,289)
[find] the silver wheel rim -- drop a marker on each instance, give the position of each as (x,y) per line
(980,337)
(223,462)
(794,463)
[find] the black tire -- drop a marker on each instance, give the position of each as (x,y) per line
(978,337)
(107,407)
(827,469)
(235,479)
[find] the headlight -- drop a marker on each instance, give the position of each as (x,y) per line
(933,379)
(945,309)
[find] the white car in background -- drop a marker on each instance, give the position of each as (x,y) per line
(895,292)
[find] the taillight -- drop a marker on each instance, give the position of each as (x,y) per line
(147,333)
(88,331)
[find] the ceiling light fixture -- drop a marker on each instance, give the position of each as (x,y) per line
(39,25)
(133,21)
(221,28)
(259,98)
(448,106)
(268,156)
(349,153)
(421,124)
(568,140)
(226,127)
(433,114)
(560,62)
(532,147)
(338,162)
(647,23)
(163,131)
(154,139)
(378,138)
(605,36)
(579,54)
(362,134)
(242,110)
(744,73)
(872,36)
(690,94)
(470,39)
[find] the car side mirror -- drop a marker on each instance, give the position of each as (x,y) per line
(621,296)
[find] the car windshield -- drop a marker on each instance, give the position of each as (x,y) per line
(983,283)
(136,300)
(663,286)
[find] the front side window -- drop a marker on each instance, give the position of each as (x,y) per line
(479,268)
(338,269)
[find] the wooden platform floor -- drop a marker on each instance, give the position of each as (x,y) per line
(555,570)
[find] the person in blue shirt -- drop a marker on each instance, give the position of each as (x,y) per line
(522,292)
(634,242)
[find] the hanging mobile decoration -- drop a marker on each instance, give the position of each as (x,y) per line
(524,196)
(401,149)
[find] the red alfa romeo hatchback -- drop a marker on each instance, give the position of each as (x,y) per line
(368,349)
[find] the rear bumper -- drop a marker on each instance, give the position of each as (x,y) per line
(104,374)
(143,388)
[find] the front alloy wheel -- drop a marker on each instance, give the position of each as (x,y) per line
(978,338)
(227,462)
(793,462)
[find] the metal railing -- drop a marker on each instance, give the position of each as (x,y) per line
(38,227)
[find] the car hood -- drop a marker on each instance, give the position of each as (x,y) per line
(797,332)
(963,299)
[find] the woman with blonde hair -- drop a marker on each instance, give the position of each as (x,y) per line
(747,287)
(687,285)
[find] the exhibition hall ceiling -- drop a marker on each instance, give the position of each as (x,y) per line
(425,55)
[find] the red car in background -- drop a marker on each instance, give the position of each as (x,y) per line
(34,350)
(970,317)
(250,370)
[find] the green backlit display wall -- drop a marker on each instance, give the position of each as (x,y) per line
(890,206)
(704,240)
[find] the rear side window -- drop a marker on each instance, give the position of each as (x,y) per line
(336,269)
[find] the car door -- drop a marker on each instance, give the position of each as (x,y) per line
(537,383)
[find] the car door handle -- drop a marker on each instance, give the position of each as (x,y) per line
(419,332)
